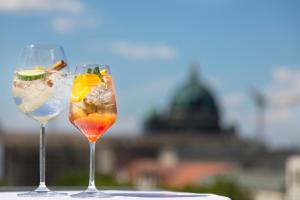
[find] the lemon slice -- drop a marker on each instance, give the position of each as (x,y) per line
(103,72)
(82,86)
(40,68)
(31,74)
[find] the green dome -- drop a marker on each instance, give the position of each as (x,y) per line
(193,96)
(192,110)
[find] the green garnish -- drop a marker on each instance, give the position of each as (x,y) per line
(96,70)
(31,74)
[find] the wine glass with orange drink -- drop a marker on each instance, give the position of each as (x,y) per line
(93,111)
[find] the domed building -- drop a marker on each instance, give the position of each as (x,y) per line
(193,109)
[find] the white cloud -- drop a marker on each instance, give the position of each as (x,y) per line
(67,15)
(63,24)
(283,97)
(140,51)
(284,89)
(284,74)
(281,115)
(68,24)
(73,6)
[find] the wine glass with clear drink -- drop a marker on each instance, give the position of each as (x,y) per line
(93,111)
(39,90)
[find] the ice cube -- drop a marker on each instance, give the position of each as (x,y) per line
(39,85)
(61,86)
(106,97)
(99,95)
(33,96)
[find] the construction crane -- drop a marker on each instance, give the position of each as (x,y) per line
(261,102)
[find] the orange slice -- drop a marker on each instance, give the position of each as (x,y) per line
(82,86)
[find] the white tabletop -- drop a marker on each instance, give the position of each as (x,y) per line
(127,195)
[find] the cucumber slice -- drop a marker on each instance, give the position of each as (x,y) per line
(31,74)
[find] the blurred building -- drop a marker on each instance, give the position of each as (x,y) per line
(254,165)
(150,173)
(292,178)
(193,109)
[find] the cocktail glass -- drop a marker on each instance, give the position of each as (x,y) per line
(39,90)
(93,111)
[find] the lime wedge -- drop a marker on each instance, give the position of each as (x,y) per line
(31,74)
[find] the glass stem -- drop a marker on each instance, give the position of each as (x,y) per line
(42,154)
(92,166)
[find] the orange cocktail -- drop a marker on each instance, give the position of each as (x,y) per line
(93,107)
(93,110)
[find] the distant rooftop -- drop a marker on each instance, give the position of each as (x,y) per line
(187,173)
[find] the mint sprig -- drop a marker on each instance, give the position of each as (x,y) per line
(96,71)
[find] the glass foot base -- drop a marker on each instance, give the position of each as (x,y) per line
(91,193)
(42,192)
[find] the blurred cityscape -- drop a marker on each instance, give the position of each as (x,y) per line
(184,148)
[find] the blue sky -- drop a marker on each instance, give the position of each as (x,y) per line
(150,46)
